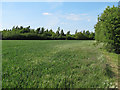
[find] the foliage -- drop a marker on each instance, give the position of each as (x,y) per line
(21,33)
(107,29)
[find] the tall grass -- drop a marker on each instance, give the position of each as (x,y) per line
(54,64)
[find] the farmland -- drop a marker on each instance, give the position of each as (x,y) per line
(57,64)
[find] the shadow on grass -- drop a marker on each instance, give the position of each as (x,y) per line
(109,72)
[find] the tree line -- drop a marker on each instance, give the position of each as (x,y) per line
(26,33)
(107,29)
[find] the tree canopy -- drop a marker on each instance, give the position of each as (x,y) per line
(107,29)
(26,33)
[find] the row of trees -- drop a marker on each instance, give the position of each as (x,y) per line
(26,33)
(107,29)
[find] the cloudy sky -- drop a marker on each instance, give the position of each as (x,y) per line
(67,15)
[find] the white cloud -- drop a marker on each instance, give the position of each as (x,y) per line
(76,17)
(89,20)
(83,14)
(73,17)
(46,13)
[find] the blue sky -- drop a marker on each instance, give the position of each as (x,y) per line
(67,15)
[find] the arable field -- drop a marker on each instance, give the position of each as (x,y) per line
(56,64)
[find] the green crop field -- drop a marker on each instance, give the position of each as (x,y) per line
(56,64)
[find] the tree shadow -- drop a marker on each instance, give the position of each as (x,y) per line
(109,72)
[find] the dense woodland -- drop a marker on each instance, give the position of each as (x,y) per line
(21,33)
(107,29)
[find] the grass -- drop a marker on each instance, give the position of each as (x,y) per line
(55,64)
(112,62)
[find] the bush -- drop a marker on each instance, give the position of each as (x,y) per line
(107,29)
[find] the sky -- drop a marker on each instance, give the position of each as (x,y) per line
(69,16)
